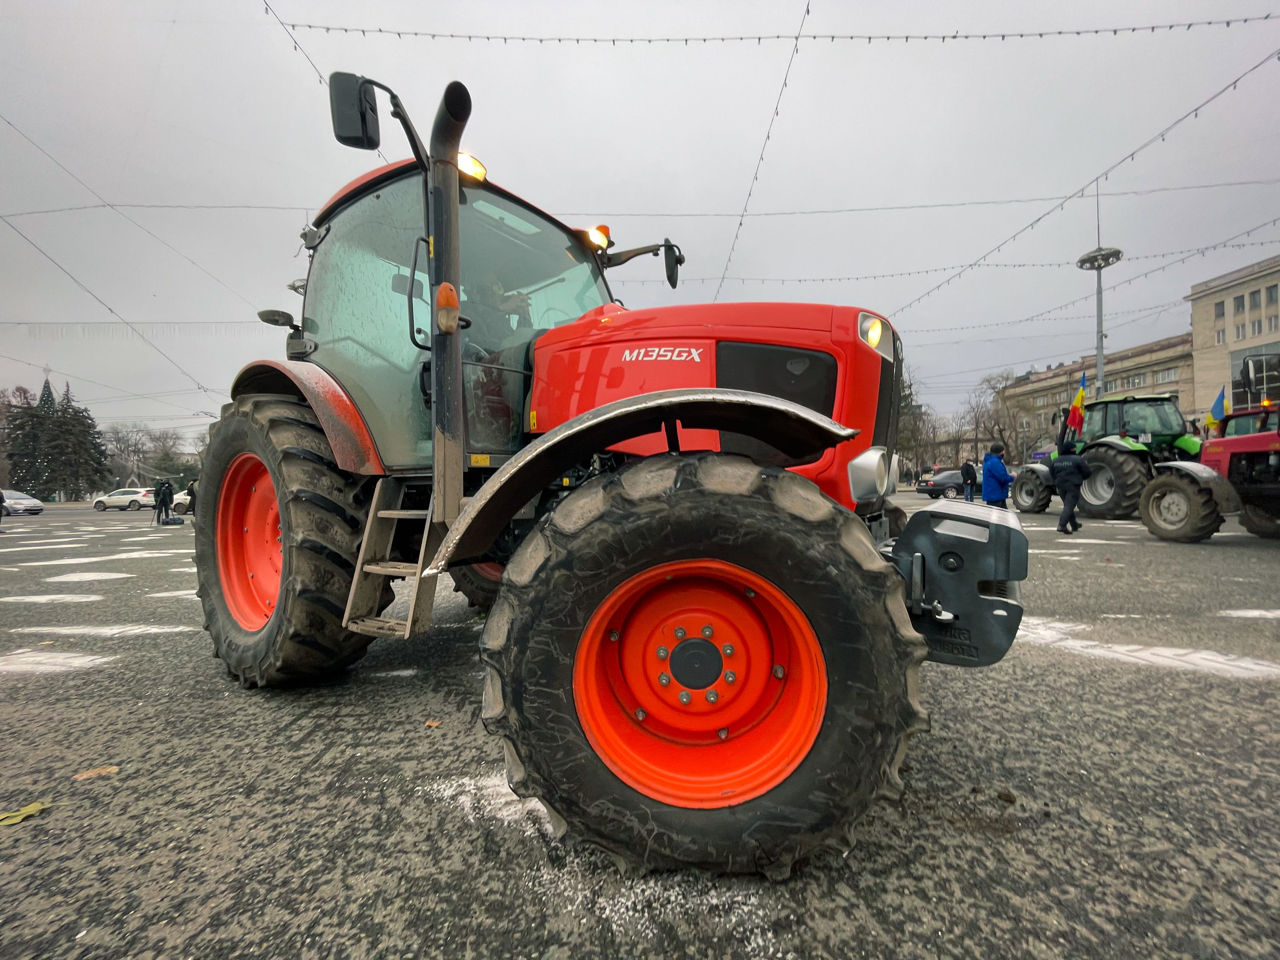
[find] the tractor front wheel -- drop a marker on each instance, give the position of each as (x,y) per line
(479,583)
(1030,494)
(1260,523)
(1114,486)
(699,661)
(277,544)
(1175,507)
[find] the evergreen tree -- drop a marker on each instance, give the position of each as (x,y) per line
(83,454)
(53,446)
(29,429)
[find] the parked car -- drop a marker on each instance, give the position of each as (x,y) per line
(947,483)
(181,502)
(15,502)
(127,498)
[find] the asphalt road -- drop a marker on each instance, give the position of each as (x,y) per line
(1110,789)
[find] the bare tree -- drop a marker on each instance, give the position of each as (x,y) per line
(126,442)
(163,444)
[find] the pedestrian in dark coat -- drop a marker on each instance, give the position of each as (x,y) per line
(1069,472)
(995,478)
(969,474)
(164,499)
(191,494)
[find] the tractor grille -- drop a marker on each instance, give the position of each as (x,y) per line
(806,377)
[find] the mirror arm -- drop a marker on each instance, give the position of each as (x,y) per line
(623,256)
(399,113)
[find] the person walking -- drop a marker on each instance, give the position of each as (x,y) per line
(164,500)
(1069,471)
(969,474)
(995,478)
(191,494)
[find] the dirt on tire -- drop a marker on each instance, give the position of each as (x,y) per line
(1121,500)
(1175,507)
(1259,522)
(1030,494)
(322,516)
(720,508)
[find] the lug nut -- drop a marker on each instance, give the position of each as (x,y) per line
(730,676)
(662,653)
(708,632)
(680,634)
(664,679)
(685,696)
(712,696)
(614,636)
(728,649)
(778,671)
(723,733)
(640,714)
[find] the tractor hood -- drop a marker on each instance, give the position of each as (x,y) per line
(714,321)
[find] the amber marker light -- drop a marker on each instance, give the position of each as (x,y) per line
(599,236)
(447,308)
(471,167)
(871,329)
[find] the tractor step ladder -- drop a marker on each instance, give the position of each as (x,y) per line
(374,567)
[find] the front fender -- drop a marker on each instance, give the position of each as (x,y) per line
(1117,443)
(797,431)
(1223,492)
(1041,471)
(348,434)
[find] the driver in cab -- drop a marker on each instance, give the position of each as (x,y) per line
(490,308)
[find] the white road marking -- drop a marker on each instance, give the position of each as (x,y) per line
(1251,614)
(174,593)
(82,536)
(1137,616)
(1053,552)
(410,672)
(47,661)
(86,576)
(9,569)
(119,630)
(1045,632)
(183,570)
(53,598)
(47,546)
(154,536)
(131,555)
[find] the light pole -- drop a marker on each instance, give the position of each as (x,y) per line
(1097,260)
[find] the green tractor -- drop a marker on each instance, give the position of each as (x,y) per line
(1122,440)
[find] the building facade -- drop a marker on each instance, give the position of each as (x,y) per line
(1234,316)
(1162,366)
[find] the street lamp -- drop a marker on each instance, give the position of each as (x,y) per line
(1097,260)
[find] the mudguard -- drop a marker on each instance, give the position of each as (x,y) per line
(797,431)
(962,562)
(1223,492)
(1041,471)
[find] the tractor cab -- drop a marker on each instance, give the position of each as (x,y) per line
(1153,423)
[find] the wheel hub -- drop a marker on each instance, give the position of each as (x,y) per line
(696,663)
(1173,509)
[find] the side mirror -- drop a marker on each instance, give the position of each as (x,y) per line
(674,259)
(1251,374)
(354,111)
(278,318)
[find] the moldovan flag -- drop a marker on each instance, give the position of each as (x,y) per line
(1218,411)
(1075,416)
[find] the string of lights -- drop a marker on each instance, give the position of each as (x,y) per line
(1193,113)
(755,176)
(126,394)
(761,38)
(939,205)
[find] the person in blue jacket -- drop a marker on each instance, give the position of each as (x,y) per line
(995,478)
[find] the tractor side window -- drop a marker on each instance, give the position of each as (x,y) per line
(522,274)
(1095,423)
(356,312)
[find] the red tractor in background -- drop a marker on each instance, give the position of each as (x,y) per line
(1239,471)
(705,644)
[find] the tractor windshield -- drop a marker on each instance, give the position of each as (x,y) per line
(1152,416)
(522,273)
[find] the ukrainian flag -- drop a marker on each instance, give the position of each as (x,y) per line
(1221,407)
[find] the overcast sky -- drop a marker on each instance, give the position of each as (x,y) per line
(116,107)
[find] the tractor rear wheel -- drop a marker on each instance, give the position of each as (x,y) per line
(479,583)
(1260,523)
(1030,494)
(1175,507)
(1115,485)
(277,544)
(699,661)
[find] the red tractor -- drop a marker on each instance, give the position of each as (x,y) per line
(1239,471)
(704,646)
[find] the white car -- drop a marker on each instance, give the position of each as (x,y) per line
(181,502)
(15,501)
(127,498)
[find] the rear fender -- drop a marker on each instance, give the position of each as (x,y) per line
(1041,471)
(962,563)
(1223,492)
(797,431)
(348,434)
(1118,443)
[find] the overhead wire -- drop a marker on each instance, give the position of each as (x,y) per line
(760,38)
(128,395)
(764,146)
(1157,137)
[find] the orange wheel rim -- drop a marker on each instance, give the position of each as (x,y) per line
(248,540)
(700,684)
(489,570)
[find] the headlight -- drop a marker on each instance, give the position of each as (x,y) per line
(869,474)
(876,333)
